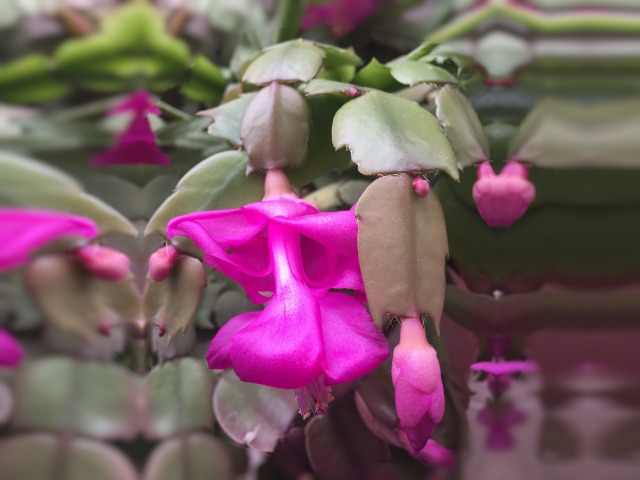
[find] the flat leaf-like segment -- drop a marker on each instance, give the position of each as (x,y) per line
(402,245)
(295,61)
(461,126)
(27,183)
(411,73)
(388,134)
(275,128)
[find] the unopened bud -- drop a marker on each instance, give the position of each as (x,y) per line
(161,262)
(105,263)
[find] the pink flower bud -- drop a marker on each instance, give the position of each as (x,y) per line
(419,393)
(421,186)
(104,262)
(502,199)
(11,353)
(161,262)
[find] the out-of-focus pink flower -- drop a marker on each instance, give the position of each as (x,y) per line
(500,372)
(161,262)
(11,353)
(23,231)
(284,252)
(342,16)
(104,262)
(137,143)
(419,394)
(502,199)
(499,425)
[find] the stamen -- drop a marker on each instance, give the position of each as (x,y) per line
(315,396)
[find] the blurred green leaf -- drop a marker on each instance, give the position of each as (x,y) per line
(132,47)
(172,303)
(77,397)
(206,81)
(461,126)
(179,398)
(388,134)
(30,79)
(376,75)
(338,57)
(266,412)
(27,183)
(294,61)
(191,457)
(36,456)
(411,73)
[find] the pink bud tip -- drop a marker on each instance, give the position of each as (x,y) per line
(502,199)
(419,393)
(11,353)
(105,263)
(161,262)
(421,186)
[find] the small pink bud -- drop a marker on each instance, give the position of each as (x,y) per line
(421,186)
(502,199)
(161,262)
(419,394)
(105,263)
(11,353)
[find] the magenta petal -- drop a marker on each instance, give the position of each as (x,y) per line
(11,353)
(283,347)
(24,231)
(138,102)
(219,352)
(354,346)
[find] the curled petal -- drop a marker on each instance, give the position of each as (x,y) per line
(354,346)
(24,231)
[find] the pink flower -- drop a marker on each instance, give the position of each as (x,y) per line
(343,16)
(499,425)
(500,372)
(419,393)
(11,353)
(137,144)
(502,199)
(23,231)
(284,252)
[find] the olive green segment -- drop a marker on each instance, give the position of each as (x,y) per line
(402,245)
(275,128)
(461,126)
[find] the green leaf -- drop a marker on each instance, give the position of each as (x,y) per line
(294,61)
(461,126)
(75,301)
(206,81)
(402,245)
(218,182)
(387,134)
(321,86)
(266,412)
(132,47)
(36,456)
(191,457)
(411,73)
(30,79)
(27,183)
(175,133)
(417,53)
(275,128)
(227,118)
(376,75)
(338,57)
(62,395)
(179,398)
(173,302)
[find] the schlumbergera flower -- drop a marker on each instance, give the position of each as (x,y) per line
(11,353)
(502,199)
(419,393)
(499,373)
(24,231)
(286,253)
(137,143)
(342,16)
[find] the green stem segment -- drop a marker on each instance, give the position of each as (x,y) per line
(288,16)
